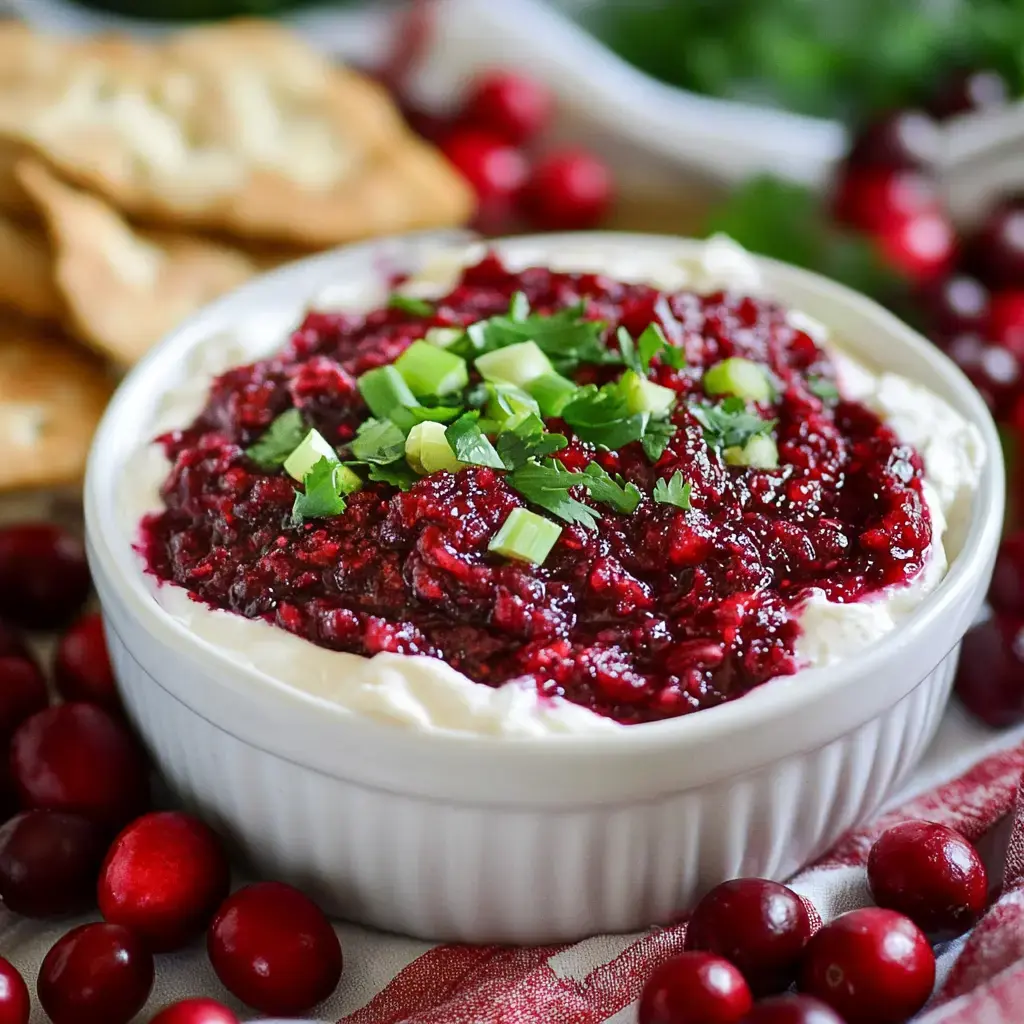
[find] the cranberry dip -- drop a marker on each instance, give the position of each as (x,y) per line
(557,495)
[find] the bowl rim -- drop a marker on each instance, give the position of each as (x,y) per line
(769,703)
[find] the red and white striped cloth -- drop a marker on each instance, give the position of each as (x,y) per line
(970,779)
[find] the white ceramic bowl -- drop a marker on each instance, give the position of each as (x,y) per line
(458,837)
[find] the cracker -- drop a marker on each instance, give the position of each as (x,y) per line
(26,271)
(52,395)
(238,128)
(125,289)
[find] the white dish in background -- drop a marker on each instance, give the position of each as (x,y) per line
(533,839)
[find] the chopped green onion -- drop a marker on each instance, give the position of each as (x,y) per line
(427,449)
(443,337)
(385,390)
(825,389)
(406,419)
(519,307)
(515,364)
(410,305)
(525,536)
(644,395)
(431,371)
(760,452)
(553,392)
(310,450)
(739,377)
(507,406)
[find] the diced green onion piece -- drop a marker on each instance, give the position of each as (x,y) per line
(311,449)
(739,377)
(508,406)
(644,395)
(760,452)
(514,364)
(427,450)
(348,480)
(385,390)
(429,370)
(553,392)
(525,536)
(443,337)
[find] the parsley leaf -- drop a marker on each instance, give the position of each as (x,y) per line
(379,441)
(825,389)
(527,440)
(656,438)
(470,444)
(602,416)
(407,304)
(675,491)
(322,496)
(728,424)
(547,485)
(623,497)
(283,436)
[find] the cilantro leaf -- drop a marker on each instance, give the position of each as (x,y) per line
(627,348)
(728,424)
(282,437)
(407,304)
(673,357)
(651,343)
(656,438)
(322,496)
(547,485)
(470,444)
(527,440)
(623,497)
(379,441)
(602,416)
(675,491)
(825,389)
(398,474)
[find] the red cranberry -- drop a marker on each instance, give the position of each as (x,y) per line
(164,878)
(922,247)
(96,974)
(567,191)
(508,105)
(966,91)
(992,369)
(872,966)
(694,988)
(195,1011)
(990,675)
(12,644)
(903,138)
(871,199)
(76,757)
(1007,321)
(759,926)
(49,862)
(44,579)
(930,873)
(15,1005)
(496,170)
(957,304)
(998,249)
(274,949)
(792,1010)
(22,692)
(82,668)
(1006,593)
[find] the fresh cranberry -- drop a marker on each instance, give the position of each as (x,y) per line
(22,692)
(508,105)
(998,249)
(82,668)
(921,247)
(930,873)
(496,170)
(96,974)
(194,1011)
(12,643)
(76,757)
(792,1010)
(15,1005)
(990,674)
(49,862)
(970,90)
(694,988)
(567,191)
(274,949)
(1007,321)
(992,369)
(164,878)
(872,199)
(872,966)
(903,138)
(958,304)
(1006,594)
(759,926)
(44,579)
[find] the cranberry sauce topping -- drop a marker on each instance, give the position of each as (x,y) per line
(651,615)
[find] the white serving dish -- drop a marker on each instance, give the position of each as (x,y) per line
(473,838)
